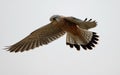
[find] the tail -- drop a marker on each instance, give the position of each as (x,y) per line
(86,39)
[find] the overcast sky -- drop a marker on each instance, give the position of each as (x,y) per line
(18,18)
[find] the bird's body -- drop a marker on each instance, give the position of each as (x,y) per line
(76,29)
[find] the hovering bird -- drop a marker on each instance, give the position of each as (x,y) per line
(77,34)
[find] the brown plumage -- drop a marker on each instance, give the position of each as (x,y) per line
(76,29)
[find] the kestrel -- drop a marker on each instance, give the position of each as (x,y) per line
(76,30)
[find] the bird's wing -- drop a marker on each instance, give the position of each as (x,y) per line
(85,24)
(39,37)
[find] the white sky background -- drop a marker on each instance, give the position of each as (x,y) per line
(18,18)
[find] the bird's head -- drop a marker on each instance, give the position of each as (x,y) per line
(55,18)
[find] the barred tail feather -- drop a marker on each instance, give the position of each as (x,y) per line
(92,42)
(85,39)
(71,42)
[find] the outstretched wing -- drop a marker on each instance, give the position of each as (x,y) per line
(39,37)
(82,23)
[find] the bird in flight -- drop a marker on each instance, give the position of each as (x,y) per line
(77,34)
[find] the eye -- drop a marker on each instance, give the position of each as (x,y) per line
(54,18)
